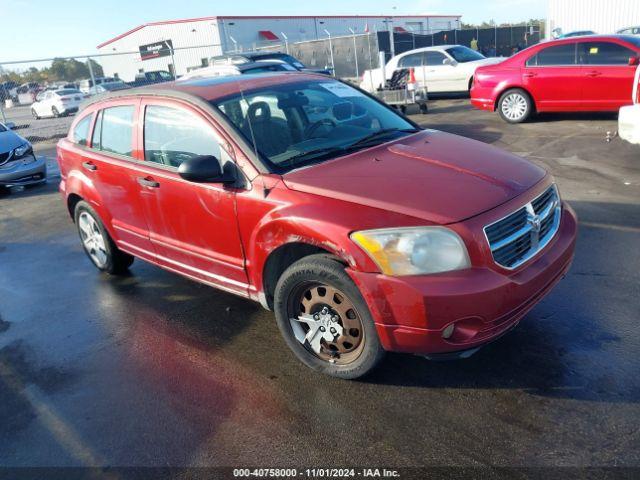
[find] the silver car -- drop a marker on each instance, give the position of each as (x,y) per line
(18,163)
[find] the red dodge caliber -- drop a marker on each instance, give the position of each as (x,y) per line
(591,73)
(362,231)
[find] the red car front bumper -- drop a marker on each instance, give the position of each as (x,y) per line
(412,312)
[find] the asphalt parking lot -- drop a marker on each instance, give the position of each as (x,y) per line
(155,370)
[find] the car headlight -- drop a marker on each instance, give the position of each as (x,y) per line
(414,250)
(22,150)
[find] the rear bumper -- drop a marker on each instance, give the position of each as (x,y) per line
(412,312)
(17,173)
(482,98)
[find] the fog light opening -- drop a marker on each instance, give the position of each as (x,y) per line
(448,331)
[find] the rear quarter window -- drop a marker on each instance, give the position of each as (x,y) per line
(80,134)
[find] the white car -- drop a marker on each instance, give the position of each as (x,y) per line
(225,69)
(629,118)
(55,103)
(444,68)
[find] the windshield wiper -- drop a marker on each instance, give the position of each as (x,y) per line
(380,134)
(328,152)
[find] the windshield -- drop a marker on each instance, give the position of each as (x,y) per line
(114,86)
(283,57)
(464,54)
(296,124)
(67,91)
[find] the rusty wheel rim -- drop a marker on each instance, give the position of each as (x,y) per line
(317,305)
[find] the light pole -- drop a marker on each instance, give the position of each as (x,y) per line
(333,65)
(286,42)
(355,51)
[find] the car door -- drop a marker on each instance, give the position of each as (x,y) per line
(439,74)
(412,60)
(109,164)
(607,81)
(43,107)
(193,226)
(553,77)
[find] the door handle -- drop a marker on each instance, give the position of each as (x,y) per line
(529,74)
(594,73)
(148,182)
(89,166)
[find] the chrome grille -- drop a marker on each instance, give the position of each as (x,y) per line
(517,237)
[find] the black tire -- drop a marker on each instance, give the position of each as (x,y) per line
(324,270)
(55,112)
(117,261)
(424,109)
(515,106)
(4,190)
(35,114)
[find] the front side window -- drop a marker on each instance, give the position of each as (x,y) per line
(295,124)
(434,58)
(81,132)
(557,55)
(114,130)
(173,135)
(604,53)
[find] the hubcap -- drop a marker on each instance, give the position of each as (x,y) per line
(92,239)
(325,321)
(514,106)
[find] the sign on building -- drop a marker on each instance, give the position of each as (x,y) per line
(156,50)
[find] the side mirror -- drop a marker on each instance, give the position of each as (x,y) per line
(206,168)
(10,125)
(449,61)
(634,61)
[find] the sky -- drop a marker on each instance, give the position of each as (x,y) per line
(32,29)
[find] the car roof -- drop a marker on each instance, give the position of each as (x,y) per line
(427,49)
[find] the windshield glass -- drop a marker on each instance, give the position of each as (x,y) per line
(283,57)
(630,39)
(296,124)
(464,54)
(67,91)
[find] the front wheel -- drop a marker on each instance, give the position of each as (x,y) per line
(515,106)
(97,243)
(35,114)
(324,319)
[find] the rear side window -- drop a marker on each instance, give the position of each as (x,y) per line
(173,135)
(413,60)
(114,130)
(604,53)
(80,134)
(557,55)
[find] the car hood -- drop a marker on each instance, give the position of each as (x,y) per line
(432,175)
(10,140)
(487,61)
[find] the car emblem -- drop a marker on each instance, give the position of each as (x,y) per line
(535,222)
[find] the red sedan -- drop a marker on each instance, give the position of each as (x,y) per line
(590,73)
(362,231)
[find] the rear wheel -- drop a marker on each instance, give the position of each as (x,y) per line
(515,106)
(324,319)
(97,243)
(55,112)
